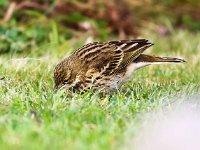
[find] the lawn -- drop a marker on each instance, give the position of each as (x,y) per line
(33,117)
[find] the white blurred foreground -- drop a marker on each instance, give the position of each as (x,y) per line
(177,129)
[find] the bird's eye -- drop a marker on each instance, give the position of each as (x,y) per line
(65,81)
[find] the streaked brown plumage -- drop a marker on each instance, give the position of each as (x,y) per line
(104,65)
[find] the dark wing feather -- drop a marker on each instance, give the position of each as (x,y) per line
(102,56)
(131,49)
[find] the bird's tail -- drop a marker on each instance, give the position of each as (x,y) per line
(145,60)
(154,59)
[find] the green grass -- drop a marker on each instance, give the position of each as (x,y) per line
(33,117)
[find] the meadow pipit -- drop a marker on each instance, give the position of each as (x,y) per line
(104,65)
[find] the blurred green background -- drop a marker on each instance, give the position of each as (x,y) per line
(26,24)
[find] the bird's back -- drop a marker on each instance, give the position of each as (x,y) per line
(111,57)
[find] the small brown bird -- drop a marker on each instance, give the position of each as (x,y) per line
(104,65)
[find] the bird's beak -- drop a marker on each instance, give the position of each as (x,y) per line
(55,88)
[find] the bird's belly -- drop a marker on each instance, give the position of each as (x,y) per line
(109,84)
(130,69)
(134,66)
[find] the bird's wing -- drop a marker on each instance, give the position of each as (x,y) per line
(102,56)
(111,57)
(131,50)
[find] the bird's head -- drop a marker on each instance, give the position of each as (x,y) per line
(62,75)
